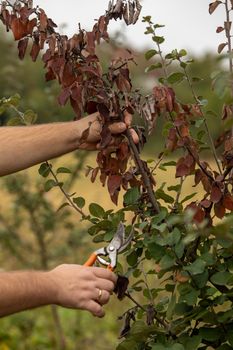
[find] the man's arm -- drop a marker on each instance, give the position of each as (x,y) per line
(24,146)
(70,286)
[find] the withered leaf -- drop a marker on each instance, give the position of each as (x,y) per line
(106,137)
(228,201)
(19,28)
(43,20)
(94,174)
(114,184)
(150,315)
(216,194)
(219,29)
(64,96)
(199,213)
(31,25)
(22,47)
(214,5)
(221,47)
(121,287)
(219,210)
(35,51)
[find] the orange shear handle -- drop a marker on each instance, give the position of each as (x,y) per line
(92,259)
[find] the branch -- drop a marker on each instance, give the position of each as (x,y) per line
(146,181)
(71,203)
(204,118)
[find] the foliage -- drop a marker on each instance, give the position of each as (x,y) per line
(180,261)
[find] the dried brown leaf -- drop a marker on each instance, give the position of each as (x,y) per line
(214,5)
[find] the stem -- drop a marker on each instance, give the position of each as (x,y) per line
(163,323)
(229,44)
(175,206)
(228,35)
(71,203)
(145,178)
(204,118)
(58,326)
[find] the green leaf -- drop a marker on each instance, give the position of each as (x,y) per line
(158,218)
(44,169)
(99,238)
(171,307)
(79,201)
(176,78)
(165,197)
(197,267)
(14,100)
(187,198)
(15,121)
(156,251)
(210,334)
(174,188)
(158,347)
(49,185)
(96,210)
(63,206)
(30,117)
(173,237)
(63,170)
(156,26)
(150,53)
(132,258)
(166,262)
(179,249)
(221,278)
(153,67)
(177,347)
(158,39)
(131,196)
(128,344)
(182,53)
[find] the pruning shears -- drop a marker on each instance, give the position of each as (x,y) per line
(116,246)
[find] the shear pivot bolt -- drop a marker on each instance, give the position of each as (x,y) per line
(111,248)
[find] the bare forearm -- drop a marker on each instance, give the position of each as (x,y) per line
(22,147)
(24,290)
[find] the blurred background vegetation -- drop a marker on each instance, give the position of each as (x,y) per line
(33,234)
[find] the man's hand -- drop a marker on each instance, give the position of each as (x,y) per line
(70,286)
(78,287)
(93,124)
(24,146)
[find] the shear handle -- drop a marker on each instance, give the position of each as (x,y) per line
(91,260)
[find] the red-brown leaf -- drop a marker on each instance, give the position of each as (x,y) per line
(219,29)
(31,25)
(219,210)
(19,28)
(221,47)
(43,20)
(228,201)
(199,213)
(216,194)
(22,47)
(35,51)
(114,184)
(64,96)
(214,5)
(94,174)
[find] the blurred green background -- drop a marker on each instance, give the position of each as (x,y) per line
(28,215)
